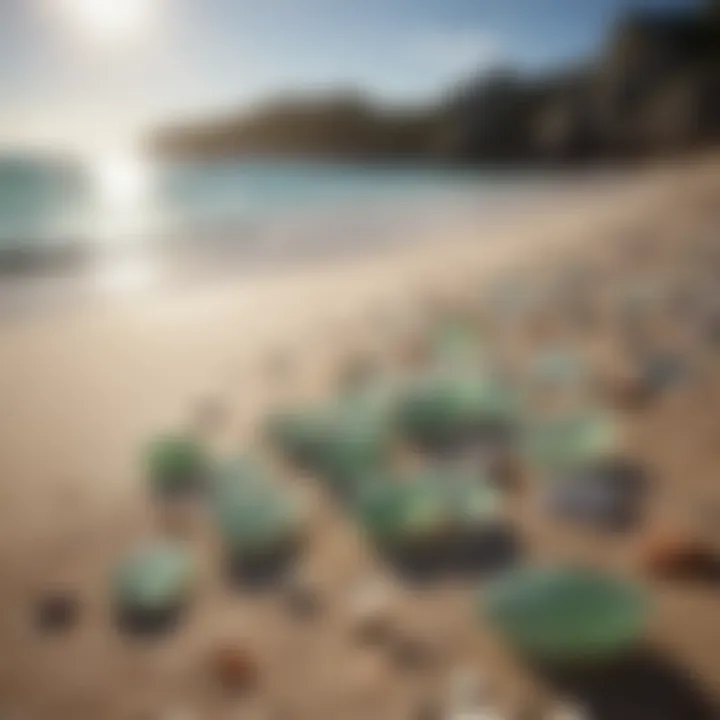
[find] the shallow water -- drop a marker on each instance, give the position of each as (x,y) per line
(117,222)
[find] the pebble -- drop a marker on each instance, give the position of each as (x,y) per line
(57,611)
(677,553)
(234,667)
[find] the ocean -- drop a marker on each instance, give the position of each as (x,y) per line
(117,222)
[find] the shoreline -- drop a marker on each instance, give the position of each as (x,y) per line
(39,276)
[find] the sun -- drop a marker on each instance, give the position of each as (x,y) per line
(121,180)
(108,20)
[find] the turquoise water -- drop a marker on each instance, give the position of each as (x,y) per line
(117,196)
(116,223)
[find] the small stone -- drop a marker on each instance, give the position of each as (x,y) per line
(608,494)
(235,668)
(678,553)
(57,611)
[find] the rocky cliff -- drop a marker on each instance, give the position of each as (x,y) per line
(654,89)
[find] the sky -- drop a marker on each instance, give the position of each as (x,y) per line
(85,71)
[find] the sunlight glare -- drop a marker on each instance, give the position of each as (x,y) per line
(108,20)
(121,179)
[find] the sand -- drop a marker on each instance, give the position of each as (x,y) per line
(82,389)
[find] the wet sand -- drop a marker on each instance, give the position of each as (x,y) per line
(82,390)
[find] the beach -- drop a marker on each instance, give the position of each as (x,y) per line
(82,388)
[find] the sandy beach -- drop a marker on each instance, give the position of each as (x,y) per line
(82,389)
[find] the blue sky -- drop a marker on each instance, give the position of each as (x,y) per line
(192,57)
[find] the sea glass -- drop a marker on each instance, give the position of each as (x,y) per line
(176,463)
(154,581)
(446,408)
(299,434)
(570,441)
(566,615)
(346,442)
(471,500)
(403,513)
(253,517)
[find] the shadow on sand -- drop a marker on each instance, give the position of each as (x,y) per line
(474,555)
(643,686)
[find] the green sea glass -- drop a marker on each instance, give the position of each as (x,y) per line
(471,501)
(447,407)
(176,463)
(399,513)
(566,615)
(154,581)
(571,441)
(252,516)
(346,442)
(299,433)
(427,508)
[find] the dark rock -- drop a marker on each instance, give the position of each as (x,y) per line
(608,494)
(57,611)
